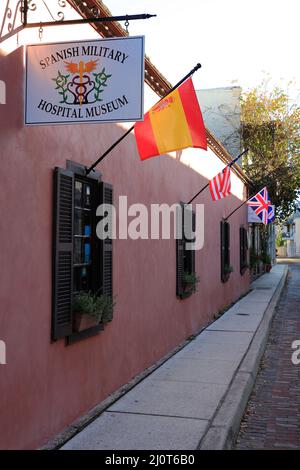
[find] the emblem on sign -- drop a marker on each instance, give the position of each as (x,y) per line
(82,85)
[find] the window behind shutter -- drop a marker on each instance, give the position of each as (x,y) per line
(107,252)
(62,253)
(189,218)
(185,257)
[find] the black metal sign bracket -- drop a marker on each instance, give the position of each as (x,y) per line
(29,5)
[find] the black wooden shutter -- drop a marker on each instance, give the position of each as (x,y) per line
(180,252)
(241,249)
(246,243)
(62,253)
(227,247)
(107,249)
(222,239)
(179,266)
(193,269)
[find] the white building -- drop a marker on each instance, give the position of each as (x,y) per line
(221,109)
(291,235)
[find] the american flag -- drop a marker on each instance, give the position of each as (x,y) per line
(220,185)
(260,203)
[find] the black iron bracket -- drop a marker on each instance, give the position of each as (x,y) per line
(19,14)
(29,5)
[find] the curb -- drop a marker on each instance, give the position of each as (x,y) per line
(225,425)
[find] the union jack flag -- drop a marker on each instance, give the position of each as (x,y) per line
(271,214)
(260,203)
(220,185)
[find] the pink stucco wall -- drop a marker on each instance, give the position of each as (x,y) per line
(45,386)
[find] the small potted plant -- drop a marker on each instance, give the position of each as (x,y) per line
(190,281)
(90,309)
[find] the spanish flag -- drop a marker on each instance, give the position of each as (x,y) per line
(174,123)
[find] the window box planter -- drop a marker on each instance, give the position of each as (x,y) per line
(91,310)
(83,321)
(226,273)
(190,282)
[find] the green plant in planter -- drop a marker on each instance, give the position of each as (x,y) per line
(87,303)
(254,259)
(190,281)
(228,269)
(98,307)
(265,258)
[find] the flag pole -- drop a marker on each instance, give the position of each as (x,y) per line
(237,208)
(88,170)
(228,165)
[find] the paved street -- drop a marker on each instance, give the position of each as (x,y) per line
(272,417)
(196,398)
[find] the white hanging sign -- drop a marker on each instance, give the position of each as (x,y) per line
(88,81)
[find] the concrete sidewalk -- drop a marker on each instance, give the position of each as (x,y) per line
(196,399)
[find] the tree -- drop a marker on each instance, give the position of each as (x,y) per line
(271,131)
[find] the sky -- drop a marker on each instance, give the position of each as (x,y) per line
(237,42)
